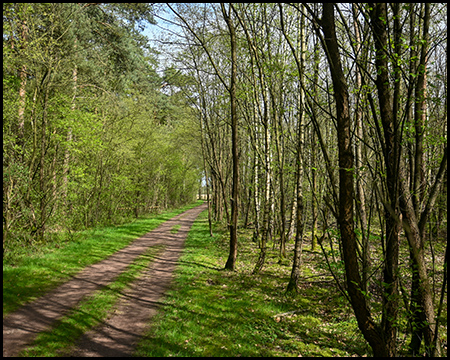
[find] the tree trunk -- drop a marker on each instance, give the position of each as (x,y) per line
(280,154)
(231,262)
(422,299)
(300,61)
(69,138)
(420,116)
(268,201)
(314,166)
(360,195)
(345,217)
(207,180)
(418,181)
(23,83)
(265,226)
(413,234)
(295,273)
(44,194)
(391,159)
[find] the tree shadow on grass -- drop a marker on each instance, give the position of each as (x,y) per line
(206,266)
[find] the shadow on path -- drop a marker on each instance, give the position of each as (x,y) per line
(22,326)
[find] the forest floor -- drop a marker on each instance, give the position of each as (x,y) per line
(124,306)
(116,335)
(210,312)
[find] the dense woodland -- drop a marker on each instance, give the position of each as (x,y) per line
(88,136)
(299,121)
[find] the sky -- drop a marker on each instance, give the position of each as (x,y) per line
(157,34)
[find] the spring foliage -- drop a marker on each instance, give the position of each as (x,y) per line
(88,136)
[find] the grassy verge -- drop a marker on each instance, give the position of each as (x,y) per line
(89,312)
(210,312)
(30,273)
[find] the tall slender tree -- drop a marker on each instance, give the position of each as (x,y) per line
(367,325)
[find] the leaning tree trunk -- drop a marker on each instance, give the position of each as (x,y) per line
(391,155)
(418,182)
(366,324)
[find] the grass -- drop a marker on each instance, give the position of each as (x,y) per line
(211,312)
(89,312)
(31,272)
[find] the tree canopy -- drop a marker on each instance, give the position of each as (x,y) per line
(88,137)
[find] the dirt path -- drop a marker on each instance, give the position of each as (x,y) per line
(117,336)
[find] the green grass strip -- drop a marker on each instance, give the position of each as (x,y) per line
(89,312)
(30,273)
(175,229)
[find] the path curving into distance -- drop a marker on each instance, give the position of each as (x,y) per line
(118,335)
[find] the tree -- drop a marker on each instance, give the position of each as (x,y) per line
(295,273)
(395,167)
(86,141)
(231,262)
(231,88)
(365,102)
(391,152)
(365,322)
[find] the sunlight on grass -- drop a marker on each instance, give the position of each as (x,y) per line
(30,273)
(211,312)
(89,312)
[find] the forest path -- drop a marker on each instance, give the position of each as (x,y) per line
(115,337)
